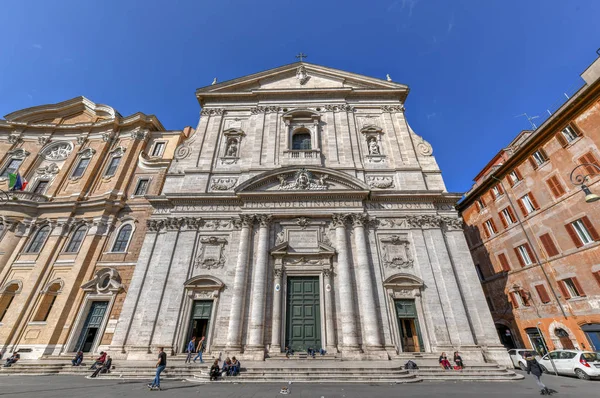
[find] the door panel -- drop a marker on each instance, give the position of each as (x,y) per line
(303,329)
(92,324)
(408,326)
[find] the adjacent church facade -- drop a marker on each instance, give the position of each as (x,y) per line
(305,212)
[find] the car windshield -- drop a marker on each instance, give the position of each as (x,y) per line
(591,357)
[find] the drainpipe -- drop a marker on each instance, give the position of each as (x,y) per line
(537,259)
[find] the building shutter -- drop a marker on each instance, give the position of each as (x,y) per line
(590,227)
(493,225)
(563,290)
(597,275)
(542,293)
(519,257)
(533,163)
(513,299)
(561,139)
(522,207)
(524,297)
(504,262)
(519,174)
(512,214)
(578,286)
(500,190)
(504,221)
(549,245)
(533,201)
(530,253)
(477,205)
(486,234)
(555,186)
(573,235)
(589,158)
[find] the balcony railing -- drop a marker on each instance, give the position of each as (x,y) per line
(303,154)
(25,195)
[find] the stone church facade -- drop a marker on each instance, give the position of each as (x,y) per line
(305,212)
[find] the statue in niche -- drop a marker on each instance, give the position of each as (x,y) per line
(280,237)
(232,148)
(373,147)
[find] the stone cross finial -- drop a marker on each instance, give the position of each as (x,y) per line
(301,56)
(214,82)
(387,76)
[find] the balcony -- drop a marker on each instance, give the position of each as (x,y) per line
(307,156)
(17,196)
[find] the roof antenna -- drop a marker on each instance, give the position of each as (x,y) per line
(529,118)
(387,76)
(214,82)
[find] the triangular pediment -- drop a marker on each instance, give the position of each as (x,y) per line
(299,76)
(296,180)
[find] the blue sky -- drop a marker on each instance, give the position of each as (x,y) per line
(472,65)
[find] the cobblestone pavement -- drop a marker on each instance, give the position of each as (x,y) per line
(71,386)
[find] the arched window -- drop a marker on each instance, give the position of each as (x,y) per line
(38,240)
(122,240)
(47,302)
(7,297)
(76,239)
(301,141)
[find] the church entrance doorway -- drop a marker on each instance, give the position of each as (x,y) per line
(200,319)
(303,329)
(408,325)
(91,326)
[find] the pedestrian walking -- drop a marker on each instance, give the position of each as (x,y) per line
(200,350)
(161,364)
(190,350)
(535,369)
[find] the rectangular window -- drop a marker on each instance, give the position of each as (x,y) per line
(142,187)
(555,186)
(507,216)
(11,167)
(542,293)
(81,167)
(549,245)
(158,148)
(570,288)
(112,166)
(480,203)
(538,158)
(582,232)
(524,255)
(490,227)
(528,204)
(590,160)
(479,273)
(497,191)
(514,177)
(504,262)
(568,134)
(40,187)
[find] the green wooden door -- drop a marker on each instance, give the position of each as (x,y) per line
(303,329)
(408,326)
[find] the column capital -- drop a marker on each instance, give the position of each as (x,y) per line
(360,220)
(264,219)
(244,220)
(339,219)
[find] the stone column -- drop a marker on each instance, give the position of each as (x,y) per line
(236,314)
(345,286)
(331,346)
(364,285)
(276,330)
(259,284)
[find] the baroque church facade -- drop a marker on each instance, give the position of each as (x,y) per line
(305,212)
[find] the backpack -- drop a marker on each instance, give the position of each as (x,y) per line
(410,365)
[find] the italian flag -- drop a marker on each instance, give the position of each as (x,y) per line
(16,182)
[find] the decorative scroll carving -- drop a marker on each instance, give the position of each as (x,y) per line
(212,253)
(18,153)
(212,112)
(48,171)
(380,182)
(182,151)
(57,151)
(303,180)
(43,140)
(424,221)
(303,222)
(392,108)
(81,139)
(118,151)
(222,184)
(86,153)
(424,148)
(108,137)
(305,261)
(14,139)
(106,281)
(396,252)
(301,75)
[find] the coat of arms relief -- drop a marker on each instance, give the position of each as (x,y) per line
(396,252)
(303,180)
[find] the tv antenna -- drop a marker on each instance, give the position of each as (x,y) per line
(530,119)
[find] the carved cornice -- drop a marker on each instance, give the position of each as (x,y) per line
(424,221)
(392,108)
(339,108)
(452,223)
(264,109)
(212,112)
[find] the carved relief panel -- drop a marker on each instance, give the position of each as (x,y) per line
(212,253)
(396,252)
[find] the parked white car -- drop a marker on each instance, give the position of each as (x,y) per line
(583,364)
(517,357)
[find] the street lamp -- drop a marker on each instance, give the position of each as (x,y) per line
(580,179)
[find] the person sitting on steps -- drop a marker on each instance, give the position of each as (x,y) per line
(288,352)
(310,351)
(444,363)
(12,359)
(226,367)
(235,367)
(78,358)
(99,361)
(105,368)
(458,361)
(215,372)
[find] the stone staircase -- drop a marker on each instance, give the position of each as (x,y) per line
(280,369)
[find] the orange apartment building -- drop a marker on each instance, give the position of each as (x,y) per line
(534,239)
(70,241)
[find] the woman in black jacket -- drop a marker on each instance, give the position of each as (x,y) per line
(535,369)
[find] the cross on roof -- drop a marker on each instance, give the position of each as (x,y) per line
(301,55)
